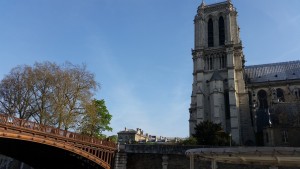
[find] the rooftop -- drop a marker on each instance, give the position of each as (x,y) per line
(273,72)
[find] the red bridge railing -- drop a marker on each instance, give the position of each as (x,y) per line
(14,121)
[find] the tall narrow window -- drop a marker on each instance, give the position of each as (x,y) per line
(220,62)
(210,31)
(280,95)
(297,93)
(262,116)
(263,99)
(224,61)
(221,31)
(211,63)
(227,105)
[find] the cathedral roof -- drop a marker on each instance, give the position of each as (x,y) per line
(273,72)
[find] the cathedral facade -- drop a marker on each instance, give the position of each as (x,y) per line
(246,100)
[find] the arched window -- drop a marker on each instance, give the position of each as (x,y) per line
(297,93)
(210,31)
(262,116)
(263,99)
(280,95)
(221,31)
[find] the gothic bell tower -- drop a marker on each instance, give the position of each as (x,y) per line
(219,93)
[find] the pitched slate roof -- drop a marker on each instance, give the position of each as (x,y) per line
(273,72)
(128,131)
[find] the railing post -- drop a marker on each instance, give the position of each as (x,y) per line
(106,159)
(109,157)
(192,162)
(214,164)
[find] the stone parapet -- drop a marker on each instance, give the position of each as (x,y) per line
(158,148)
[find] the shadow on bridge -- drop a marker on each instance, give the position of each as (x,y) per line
(45,147)
(41,156)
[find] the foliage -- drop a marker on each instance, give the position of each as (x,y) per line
(113,138)
(51,94)
(96,119)
(189,141)
(209,133)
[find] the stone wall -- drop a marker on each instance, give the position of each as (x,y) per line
(168,157)
(144,161)
(155,161)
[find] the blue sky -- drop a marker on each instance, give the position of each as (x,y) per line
(139,50)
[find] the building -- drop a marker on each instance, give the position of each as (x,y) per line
(244,99)
(132,136)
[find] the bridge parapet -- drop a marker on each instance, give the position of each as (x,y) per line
(157,148)
(21,123)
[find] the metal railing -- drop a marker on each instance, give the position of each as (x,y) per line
(17,122)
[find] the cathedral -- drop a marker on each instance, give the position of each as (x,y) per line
(258,104)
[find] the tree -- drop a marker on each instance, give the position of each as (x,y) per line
(43,84)
(48,93)
(96,119)
(189,141)
(209,133)
(15,93)
(74,91)
(113,138)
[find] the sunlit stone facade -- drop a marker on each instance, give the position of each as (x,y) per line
(241,98)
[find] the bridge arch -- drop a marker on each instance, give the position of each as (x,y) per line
(42,156)
(36,141)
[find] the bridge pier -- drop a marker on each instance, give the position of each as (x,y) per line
(214,164)
(120,160)
(165,161)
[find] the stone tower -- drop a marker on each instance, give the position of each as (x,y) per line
(219,92)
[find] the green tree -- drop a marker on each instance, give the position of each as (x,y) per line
(113,138)
(189,141)
(96,119)
(209,133)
